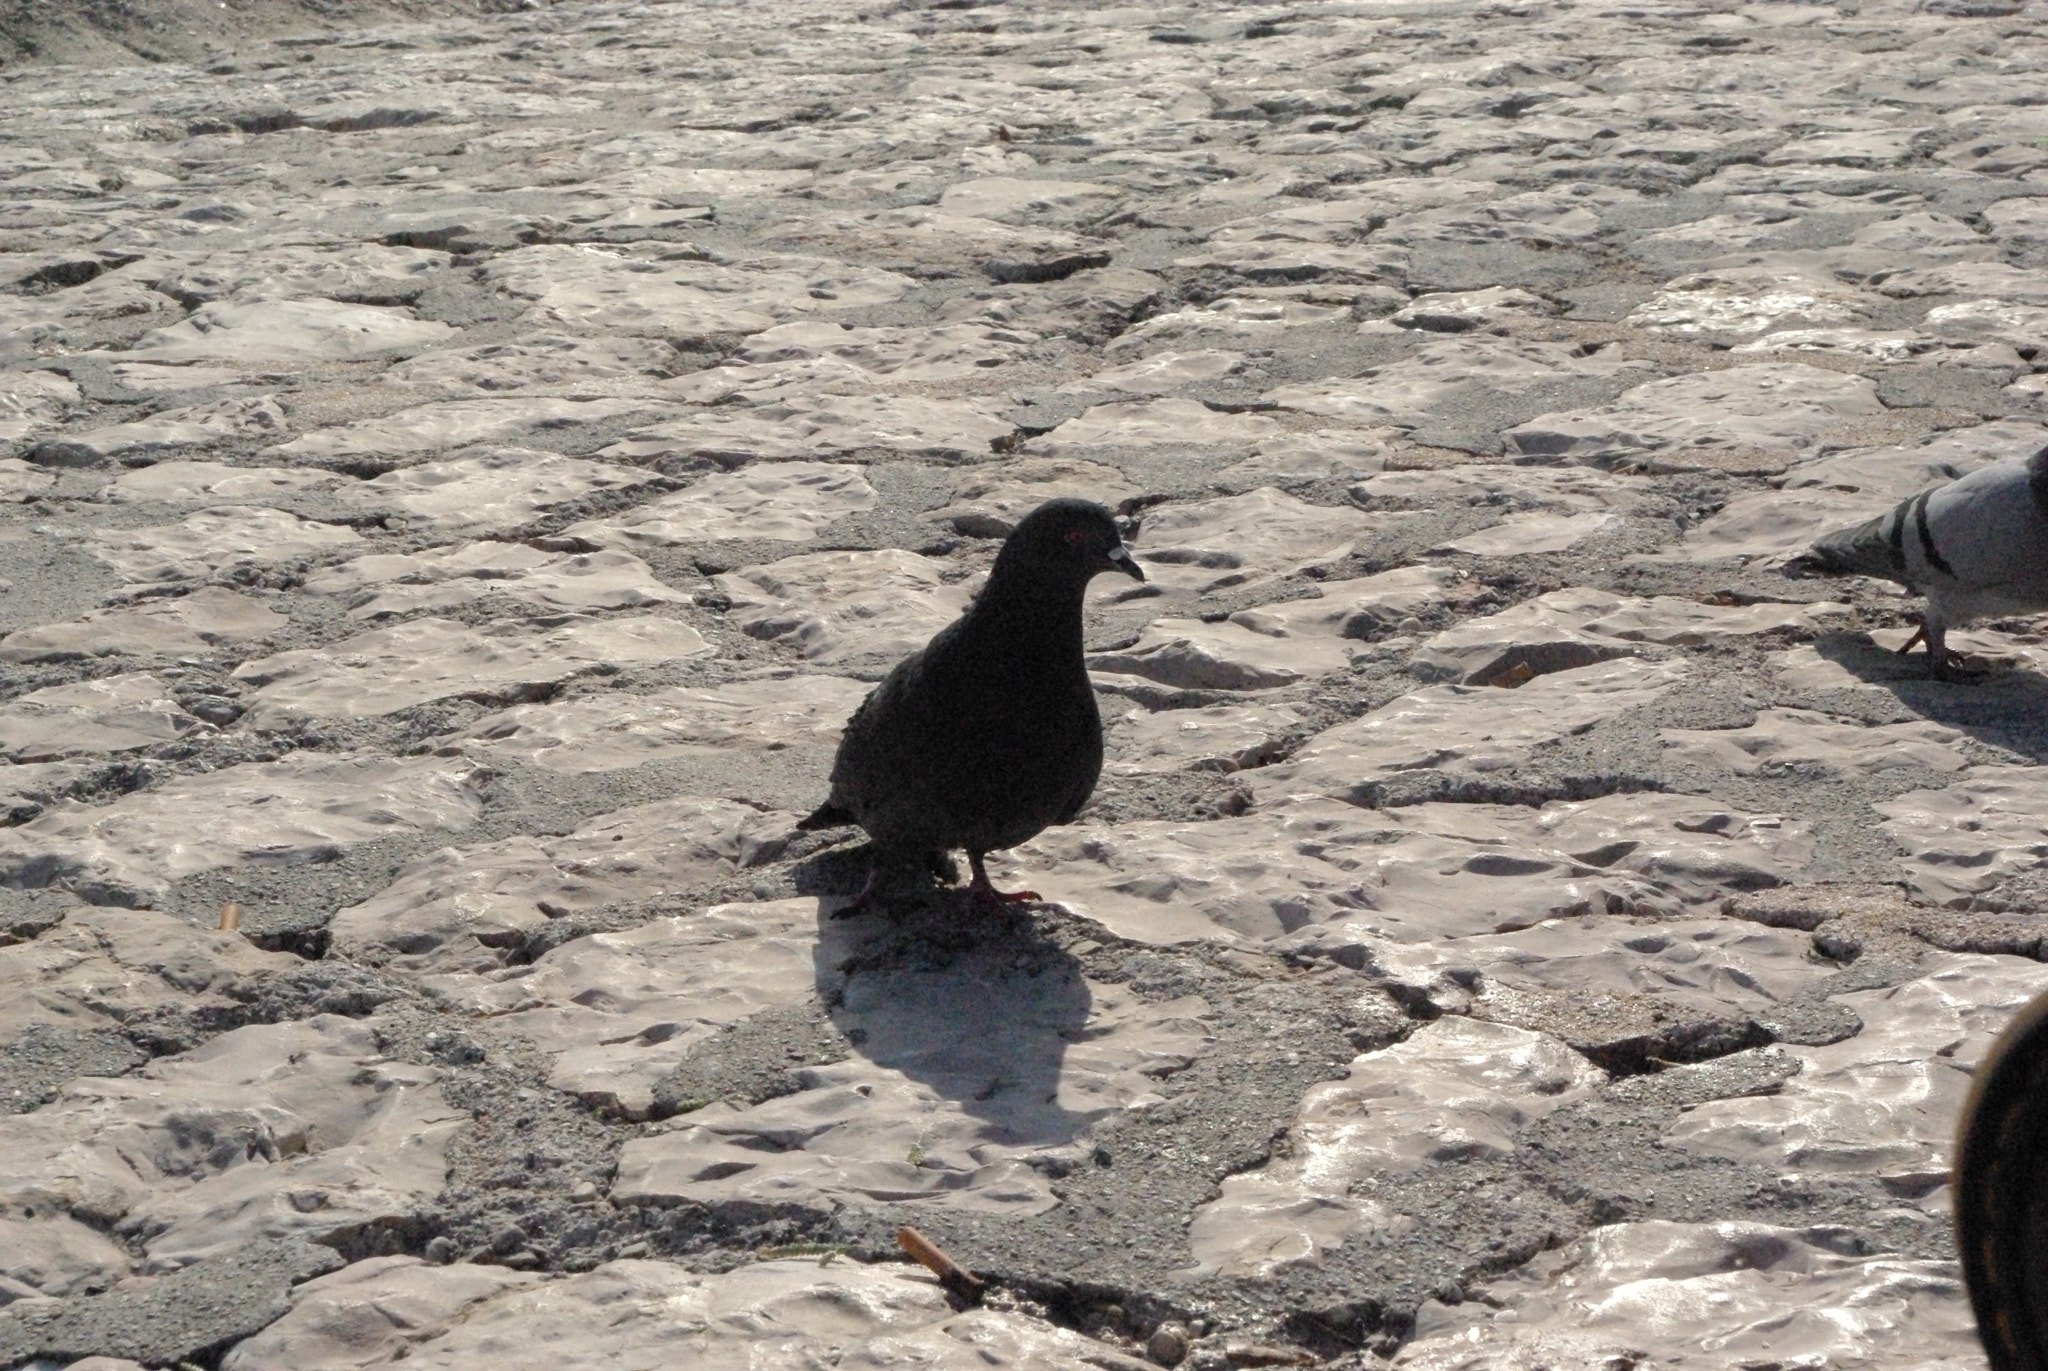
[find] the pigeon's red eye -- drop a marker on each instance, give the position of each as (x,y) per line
(1076,536)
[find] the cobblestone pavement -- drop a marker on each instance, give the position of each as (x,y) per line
(456,477)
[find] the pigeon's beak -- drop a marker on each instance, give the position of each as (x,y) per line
(1120,559)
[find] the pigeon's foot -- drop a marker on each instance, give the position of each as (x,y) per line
(1943,664)
(1947,667)
(867,902)
(988,899)
(982,893)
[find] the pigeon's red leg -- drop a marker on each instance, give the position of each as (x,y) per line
(1919,636)
(864,902)
(985,895)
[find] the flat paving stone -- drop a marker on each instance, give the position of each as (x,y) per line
(111,714)
(786,501)
(194,426)
(336,1136)
(790,1308)
(1718,1285)
(1218,544)
(899,1120)
(33,400)
(835,605)
(613,730)
(181,481)
(1410,873)
(208,619)
(438,579)
(456,908)
(1465,732)
(491,492)
(428,659)
(459,472)
(1444,376)
(295,809)
(1455,1089)
(537,364)
(1765,405)
(823,426)
(609,293)
(103,965)
(452,424)
(1154,423)
(218,540)
(288,334)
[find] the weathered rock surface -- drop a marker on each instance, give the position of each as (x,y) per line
(288,333)
(438,579)
(198,623)
(461,466)
(451,909)
(302,808)
(787,501)
(420,660)
(604,732)
(792,1309)
(220,541)
(269,1131)
(835,605)
(112,714)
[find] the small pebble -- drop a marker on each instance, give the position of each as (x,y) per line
(441,1250)
(1168,1345)
(214,709)
(508,1239)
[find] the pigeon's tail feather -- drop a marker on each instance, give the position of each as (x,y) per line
(827,815)
(1874,548)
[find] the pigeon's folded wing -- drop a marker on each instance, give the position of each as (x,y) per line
(1985,530)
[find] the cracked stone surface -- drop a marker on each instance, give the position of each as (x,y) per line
(461,465)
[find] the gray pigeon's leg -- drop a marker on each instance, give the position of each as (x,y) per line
(1937,647)
(1919,636)
(942,868)
(985,895)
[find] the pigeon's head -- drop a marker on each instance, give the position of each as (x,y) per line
(1068,541)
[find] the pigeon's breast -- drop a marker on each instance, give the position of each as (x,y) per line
(1019,774)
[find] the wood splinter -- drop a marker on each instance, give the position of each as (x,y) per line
(230,918)
(964,1284)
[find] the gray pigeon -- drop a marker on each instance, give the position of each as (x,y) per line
(1976,548)
(989,733)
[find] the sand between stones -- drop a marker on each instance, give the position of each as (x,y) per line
(460,471)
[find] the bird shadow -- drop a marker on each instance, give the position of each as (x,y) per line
(978,1007)
(2001,705)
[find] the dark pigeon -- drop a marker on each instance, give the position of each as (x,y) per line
(989,733)
(1976,548)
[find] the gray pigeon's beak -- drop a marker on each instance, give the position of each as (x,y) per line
(1120,559)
